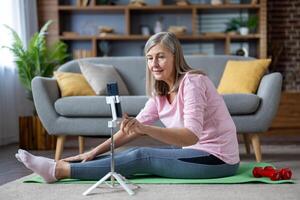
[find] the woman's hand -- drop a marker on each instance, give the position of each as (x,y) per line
(90,155)
(130,125)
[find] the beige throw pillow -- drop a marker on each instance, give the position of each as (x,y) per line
(98,75)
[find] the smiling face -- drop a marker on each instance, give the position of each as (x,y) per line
(160,62)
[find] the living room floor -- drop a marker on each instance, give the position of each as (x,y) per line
(281,154)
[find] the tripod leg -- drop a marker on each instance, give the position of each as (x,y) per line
(97,184)
(123,184)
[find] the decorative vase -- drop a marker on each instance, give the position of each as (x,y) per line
(244,30)
(105,48)
(158,26)
(216,2)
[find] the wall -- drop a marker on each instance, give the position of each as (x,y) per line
(284,34)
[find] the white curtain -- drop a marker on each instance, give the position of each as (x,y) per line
(21,15)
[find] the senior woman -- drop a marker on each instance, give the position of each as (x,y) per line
(196,121)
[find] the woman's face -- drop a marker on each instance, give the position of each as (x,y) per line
(160,62)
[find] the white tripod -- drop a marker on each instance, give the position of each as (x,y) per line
(112,100)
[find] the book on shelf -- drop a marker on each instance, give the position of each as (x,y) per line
(82,53)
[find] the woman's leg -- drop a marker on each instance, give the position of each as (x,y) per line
(173,163)
(48,169)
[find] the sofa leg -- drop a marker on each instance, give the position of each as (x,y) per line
(256,146)
(81,144)
(247,143)
(59,146)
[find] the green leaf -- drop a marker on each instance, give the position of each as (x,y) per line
(37,59)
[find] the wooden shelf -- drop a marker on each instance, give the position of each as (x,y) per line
(156,7)
(245,37)
(229,6)
(105,9)
(126,20)
(211,36)
(89,8)
(79,37)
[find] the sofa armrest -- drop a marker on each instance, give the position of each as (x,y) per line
(45,92)
(269,91)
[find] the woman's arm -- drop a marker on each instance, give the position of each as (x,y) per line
(120,138)
(147,115)
(175,136)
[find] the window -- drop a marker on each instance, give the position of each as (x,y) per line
(7,17)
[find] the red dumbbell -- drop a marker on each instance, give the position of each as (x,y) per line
(267,171)
(257,172)
(285,173)
(275,176)
(272,173)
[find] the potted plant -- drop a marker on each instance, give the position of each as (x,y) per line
(242,25)
(36,60)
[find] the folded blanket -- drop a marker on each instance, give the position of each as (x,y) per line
(244,175)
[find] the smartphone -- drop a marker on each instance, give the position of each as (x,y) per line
(112,90)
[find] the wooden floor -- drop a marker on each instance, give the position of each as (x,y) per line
(282,152)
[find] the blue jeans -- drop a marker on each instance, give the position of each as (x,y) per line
(164,162)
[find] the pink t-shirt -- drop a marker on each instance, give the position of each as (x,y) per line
(198,107)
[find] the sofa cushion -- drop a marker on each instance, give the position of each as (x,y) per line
(242,76)
(239,104)
(129,67)
(98,75)
(95,106)
(73,84)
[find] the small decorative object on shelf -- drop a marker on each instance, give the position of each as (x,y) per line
(242,52)
(216,2)
(182,2)
(83,2)
(145,30)
(158,25)
(105,30)
(105,48)
(244,30)
(137,3)
(70,34)
(177,30)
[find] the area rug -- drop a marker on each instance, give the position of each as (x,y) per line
(244,175)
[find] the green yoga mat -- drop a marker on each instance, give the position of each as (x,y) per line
(244,175)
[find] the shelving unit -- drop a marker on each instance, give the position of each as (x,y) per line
(127,19)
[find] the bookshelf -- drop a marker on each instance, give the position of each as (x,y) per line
(204,25)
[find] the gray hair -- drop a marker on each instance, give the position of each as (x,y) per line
(168,40)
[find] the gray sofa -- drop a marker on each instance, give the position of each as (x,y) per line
(88,115)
